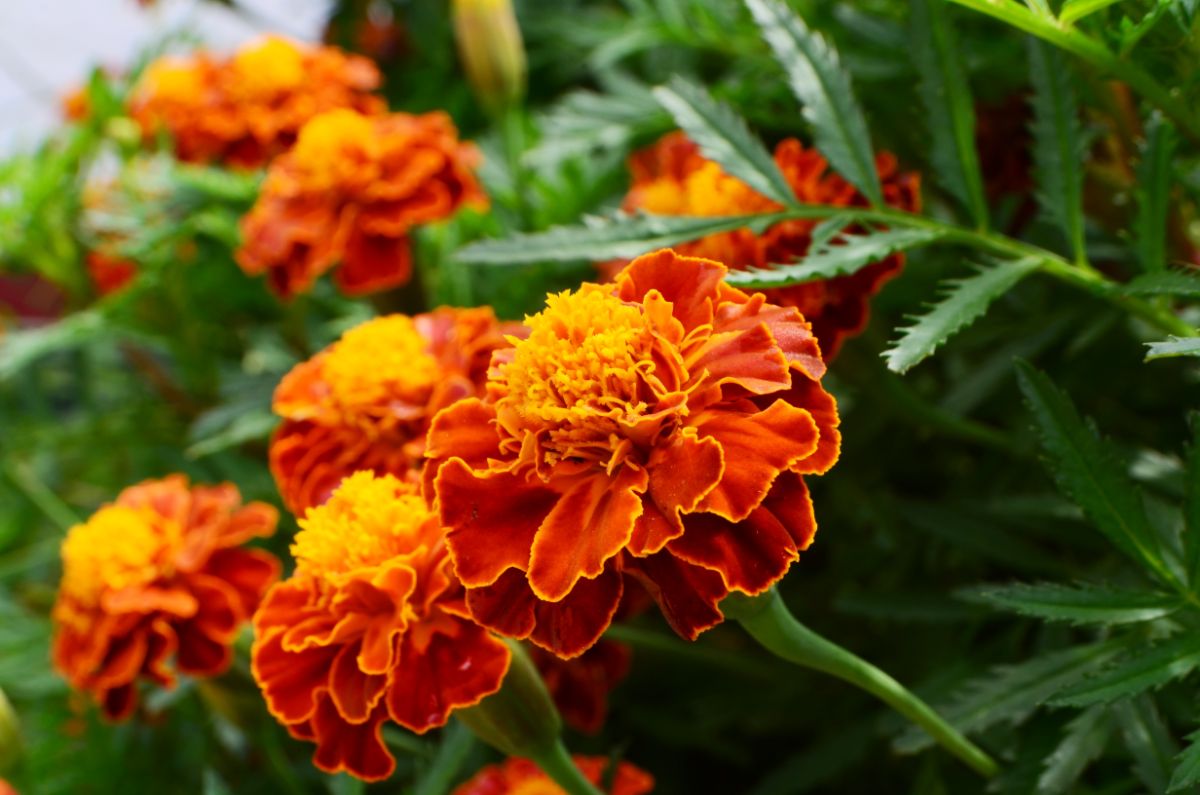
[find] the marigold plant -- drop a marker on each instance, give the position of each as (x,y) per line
(365,402)
(517,776)
(370,627)
(158,578)
(659,428)
(350,192)
(673,178)
(245,109)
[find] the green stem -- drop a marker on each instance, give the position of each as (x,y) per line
(1067,37)
(556,763)
(770,622)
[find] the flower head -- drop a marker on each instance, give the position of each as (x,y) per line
(516,776)
(158,573)
(369,628)
(658,427)
(349,192)
(365,402)
(244,110)
(672,178)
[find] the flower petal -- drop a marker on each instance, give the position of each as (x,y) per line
(573,625)
(357,749)
(680,476)
(749,358)
(687,282)
(290,681)
(373,262)
(688,595)
(353,692)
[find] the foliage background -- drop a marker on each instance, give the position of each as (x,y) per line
(945,483)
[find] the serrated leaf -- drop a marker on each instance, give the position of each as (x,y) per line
(947,99)
(1082,743)
(842,256)
(1142,669)
(824,89)
(616,237)
(1153,194)
(1010,694)
(1148,740)
(1088,471)
(1187,765)
(1078,604)
(965,301)
(1057,143)
(724,137)
(1075,10)
(1178,283)
(1173,346)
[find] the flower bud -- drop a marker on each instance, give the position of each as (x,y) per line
(519,719)
(490,47)
(10,735)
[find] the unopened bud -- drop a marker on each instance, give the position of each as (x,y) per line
(490,47)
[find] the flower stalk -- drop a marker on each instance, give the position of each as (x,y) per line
(769,621)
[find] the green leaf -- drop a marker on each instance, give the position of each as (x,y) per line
(842,256)
(1057,143)
(964,302)
(1082,743)
(825,91)
(1187,765)
(1178,283)
(1153,194)
(1088,471)
(1191,504)
(723,136)
(617,237)
(1173,346)
(1010,694)
(456,745)
(947,99)
(1075,10)
(1140,670)
(1148,740)
(1079,604)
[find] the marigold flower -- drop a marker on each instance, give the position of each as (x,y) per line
(350,191)
(158,573)
(517,776)
(370,627)
(7,789)
(672,178)
(244,110)
(365,402)
(108,273)
(658,427)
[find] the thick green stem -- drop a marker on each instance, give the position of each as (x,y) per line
(770,622)
(556,763)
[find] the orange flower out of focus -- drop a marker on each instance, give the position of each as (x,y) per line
(6,788)
(516,776)
(370,627)
(244,110)
(658,427)
(109,273)
(673,178)
(349,192)
(365,403)
(159,573)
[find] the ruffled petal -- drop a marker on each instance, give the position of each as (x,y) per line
(353,692)
(687,282)
(680,476)
(290,681)
(573,625)
(373,262)
(688,595)
(357,749)
(749,358)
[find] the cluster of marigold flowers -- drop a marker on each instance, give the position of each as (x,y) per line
(459,479)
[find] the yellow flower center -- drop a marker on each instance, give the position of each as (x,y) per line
(336,149)
(367,521)
(582,371)
(117,548)
(538,785)
(269,67)
(380,362)
(173,80)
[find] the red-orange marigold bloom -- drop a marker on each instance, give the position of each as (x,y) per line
(657,427)
(6,788)
(244,110)
(369,627)
(349,192)
(108,273)
(158,573)
(516,776)
(672,178)
(365,402)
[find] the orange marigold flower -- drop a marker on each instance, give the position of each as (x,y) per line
(350,191)
(672,178)
(370,627)
(658,427)
(158,573)
(365,402)
(109,273)
(7,789)
(244,110)
(516,776)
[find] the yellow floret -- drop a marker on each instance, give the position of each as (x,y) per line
(379,362)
